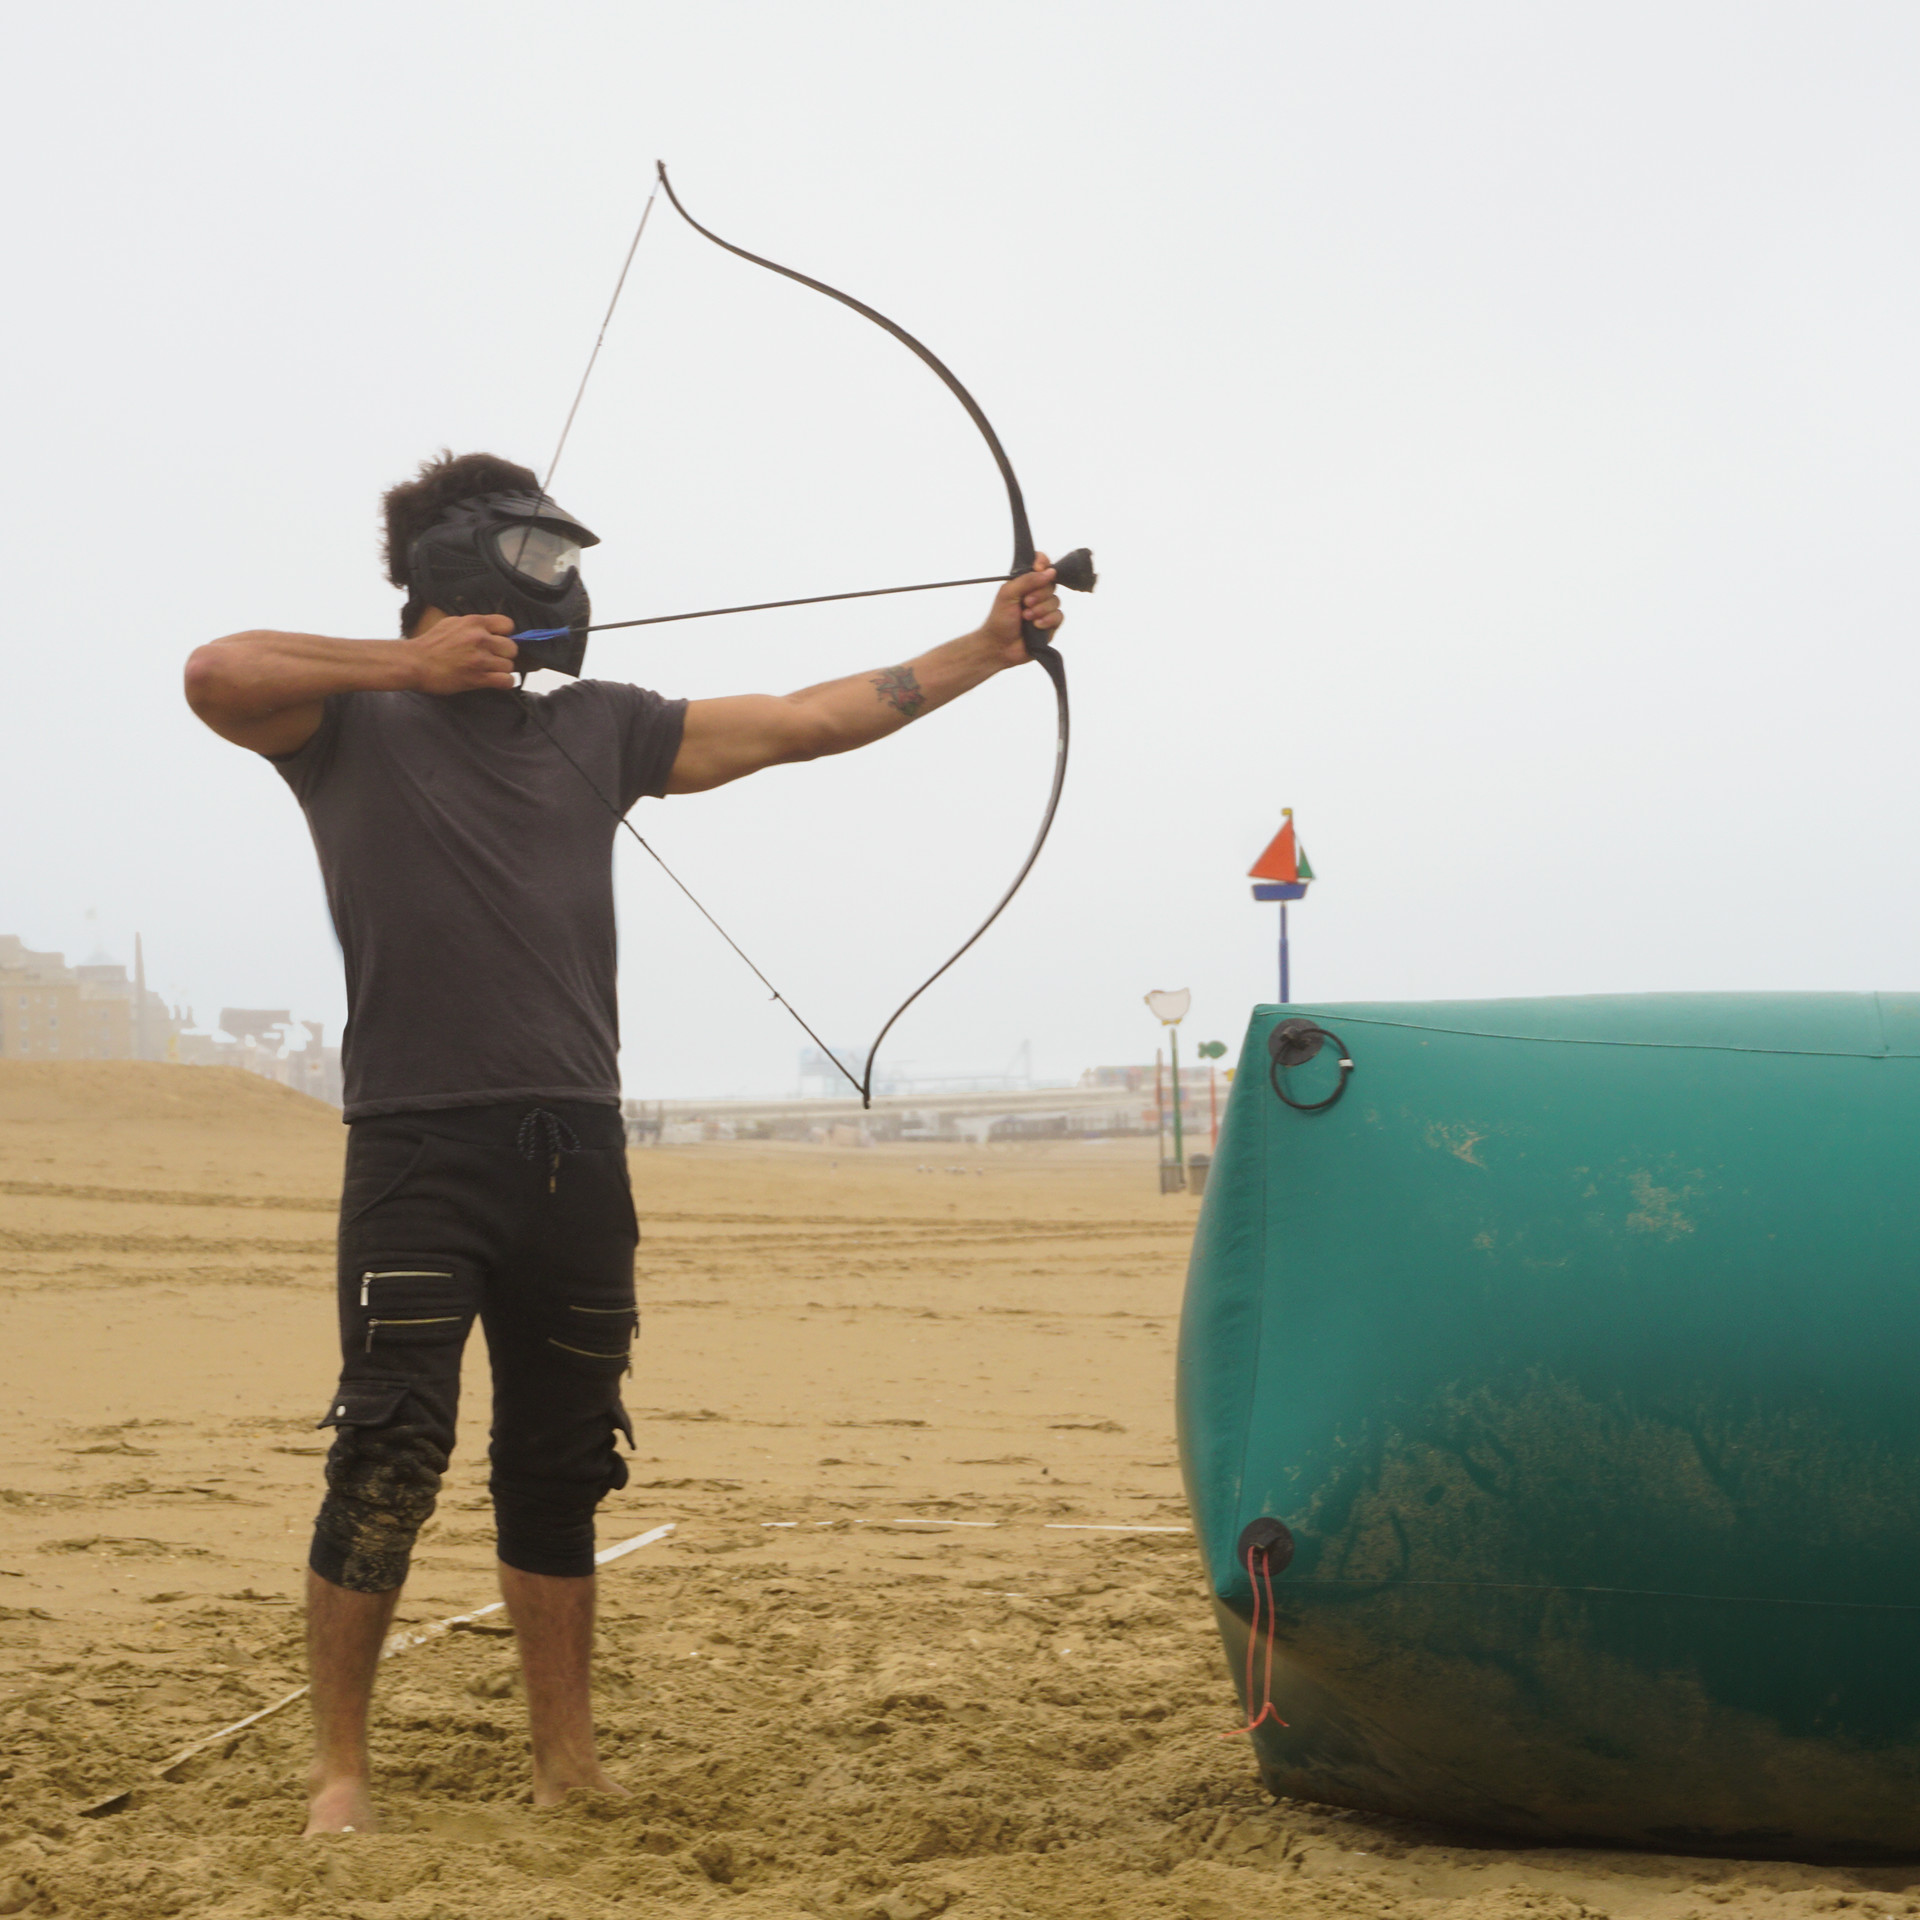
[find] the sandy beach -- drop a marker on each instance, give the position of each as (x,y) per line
(928,1634)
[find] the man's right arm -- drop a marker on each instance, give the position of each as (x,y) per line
(268,691)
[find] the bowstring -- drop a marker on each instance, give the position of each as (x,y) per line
(592,786)
(599,339)
(580,392)
(862,1088)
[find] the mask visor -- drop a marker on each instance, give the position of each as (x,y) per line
(542,556)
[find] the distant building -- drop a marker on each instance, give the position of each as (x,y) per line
(1202,1090)
(261,1042)
(1132,1078)
(51,1011)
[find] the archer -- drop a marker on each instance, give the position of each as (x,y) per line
(468,866)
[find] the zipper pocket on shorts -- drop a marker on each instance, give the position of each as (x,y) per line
(399,1273)
(602,1323)
(596,1328)
(424,1320)
(593,1353)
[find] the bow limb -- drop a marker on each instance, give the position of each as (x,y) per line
(1056,671)
(1038,646)
(1016,501)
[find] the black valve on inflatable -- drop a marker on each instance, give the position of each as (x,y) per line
(1265,1546)
(1292,1044)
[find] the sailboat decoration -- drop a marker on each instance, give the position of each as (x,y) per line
(1283,871)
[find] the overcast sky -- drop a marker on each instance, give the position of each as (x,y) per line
(1496,425)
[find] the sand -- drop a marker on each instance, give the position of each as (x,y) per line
(828,1694)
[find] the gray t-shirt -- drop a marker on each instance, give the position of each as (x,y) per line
(470,873)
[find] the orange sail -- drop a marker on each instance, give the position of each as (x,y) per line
(1281,861)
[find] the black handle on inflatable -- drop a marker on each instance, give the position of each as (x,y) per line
(1292,1044)
(1265,1543)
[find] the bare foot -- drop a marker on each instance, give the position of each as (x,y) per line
(551,1785)
(340,1806)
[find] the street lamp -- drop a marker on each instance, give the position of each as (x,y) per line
(1170,1009)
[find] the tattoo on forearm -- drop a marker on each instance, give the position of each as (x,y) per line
(898,689)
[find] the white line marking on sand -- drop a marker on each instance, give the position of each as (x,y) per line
(925,1520)
(936,1520)
(1084,1526)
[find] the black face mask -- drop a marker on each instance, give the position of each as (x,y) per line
(511,553)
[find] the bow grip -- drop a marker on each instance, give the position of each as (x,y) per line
(1074,571)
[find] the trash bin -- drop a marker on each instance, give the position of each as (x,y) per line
(1173,1177)
(1197,1173)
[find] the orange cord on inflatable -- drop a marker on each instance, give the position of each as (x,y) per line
(1259,1575)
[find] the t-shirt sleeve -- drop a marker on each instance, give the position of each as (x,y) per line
(306,767)
(649,727)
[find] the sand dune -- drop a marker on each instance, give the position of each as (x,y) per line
(828,1694)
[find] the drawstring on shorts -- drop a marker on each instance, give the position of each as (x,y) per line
(560,1138)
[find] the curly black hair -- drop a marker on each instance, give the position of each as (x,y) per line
(414,505)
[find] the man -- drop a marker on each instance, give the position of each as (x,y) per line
(465,835)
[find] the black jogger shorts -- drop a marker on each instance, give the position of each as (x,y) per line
(519,1216)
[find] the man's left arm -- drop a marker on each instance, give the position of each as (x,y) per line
(728,739)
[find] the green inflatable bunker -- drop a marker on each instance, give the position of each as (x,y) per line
(1575,1350)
